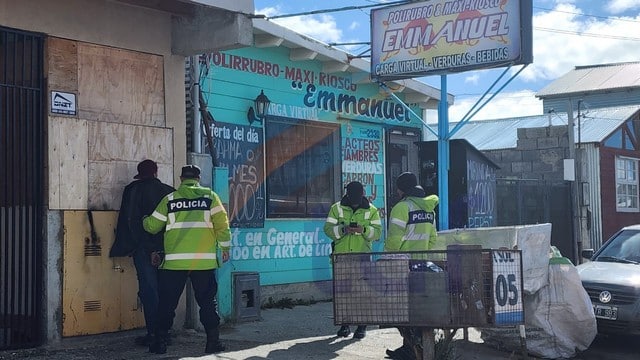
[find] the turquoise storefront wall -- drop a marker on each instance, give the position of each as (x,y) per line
(293,250)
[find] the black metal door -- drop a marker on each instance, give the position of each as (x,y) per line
(520,202)
(21,188)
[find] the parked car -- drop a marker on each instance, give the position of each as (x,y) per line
(612,280)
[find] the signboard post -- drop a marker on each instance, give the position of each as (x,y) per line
(507,287)
(439,37)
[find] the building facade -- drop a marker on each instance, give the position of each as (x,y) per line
(327,124)
(88,89)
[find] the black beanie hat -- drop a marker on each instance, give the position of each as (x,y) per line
(355,192)
(190,172)
(406,181)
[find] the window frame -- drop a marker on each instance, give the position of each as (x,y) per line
(334,161)
(623,182)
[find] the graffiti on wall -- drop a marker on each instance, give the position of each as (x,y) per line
(481,187)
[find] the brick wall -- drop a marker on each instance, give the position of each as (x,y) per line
(539,155)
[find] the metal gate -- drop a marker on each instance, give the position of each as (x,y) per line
(520,202)
(21,188)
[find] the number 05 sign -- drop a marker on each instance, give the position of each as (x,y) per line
(507,287)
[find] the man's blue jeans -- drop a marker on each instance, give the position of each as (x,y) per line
(147,286)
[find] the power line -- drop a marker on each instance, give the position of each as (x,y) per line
(603,36)
(346,8)
(513,96)
(587,15)
(557,31)
(551,30)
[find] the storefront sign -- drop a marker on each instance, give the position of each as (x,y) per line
(444,36)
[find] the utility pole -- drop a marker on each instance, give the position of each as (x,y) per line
(580,189)
(575,200)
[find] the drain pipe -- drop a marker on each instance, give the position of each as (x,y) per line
(196,131)
(196,147)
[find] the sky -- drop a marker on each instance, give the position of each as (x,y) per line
(566,34)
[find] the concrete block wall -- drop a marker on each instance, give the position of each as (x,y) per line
(539,155)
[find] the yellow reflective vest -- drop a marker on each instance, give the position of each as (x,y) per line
(196,226)
(412,224)
(341,215)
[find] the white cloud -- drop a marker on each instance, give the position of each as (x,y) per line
(269,11)
(558,51)
(472,79)
(320,27)
(504,105)
(562,39)
(620,6)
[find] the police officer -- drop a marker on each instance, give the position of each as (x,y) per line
(412,220)
(411,228)
(196,226)
(352,224)
(140,198)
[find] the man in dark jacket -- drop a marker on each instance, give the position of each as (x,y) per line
(140,198)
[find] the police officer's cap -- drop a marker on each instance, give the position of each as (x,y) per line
(408,183)
(190,172)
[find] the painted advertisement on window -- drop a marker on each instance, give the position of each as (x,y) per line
(362,160)
(239,148)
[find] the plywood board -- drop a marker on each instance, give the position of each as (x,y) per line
(107,180)
(99,293)
(119,85)
(62,63)
(113,141)
(114,153)
(68,159)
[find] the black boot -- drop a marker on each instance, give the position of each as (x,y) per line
(144,340)
(402,353)
(360,332)
(213,342)
(158,344)
(344,331)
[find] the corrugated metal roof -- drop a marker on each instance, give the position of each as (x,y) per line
(498,134)
(594,78)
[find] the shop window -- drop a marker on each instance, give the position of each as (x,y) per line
(303,166)
(626,184)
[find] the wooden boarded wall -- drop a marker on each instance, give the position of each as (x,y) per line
(93,154)
(120,121)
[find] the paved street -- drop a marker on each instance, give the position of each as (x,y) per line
(304,332)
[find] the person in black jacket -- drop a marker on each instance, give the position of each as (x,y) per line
(139,199)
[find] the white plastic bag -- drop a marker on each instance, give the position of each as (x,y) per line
(559,319)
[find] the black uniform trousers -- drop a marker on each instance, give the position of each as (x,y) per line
(171,284)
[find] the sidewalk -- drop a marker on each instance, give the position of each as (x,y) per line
(303,332)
